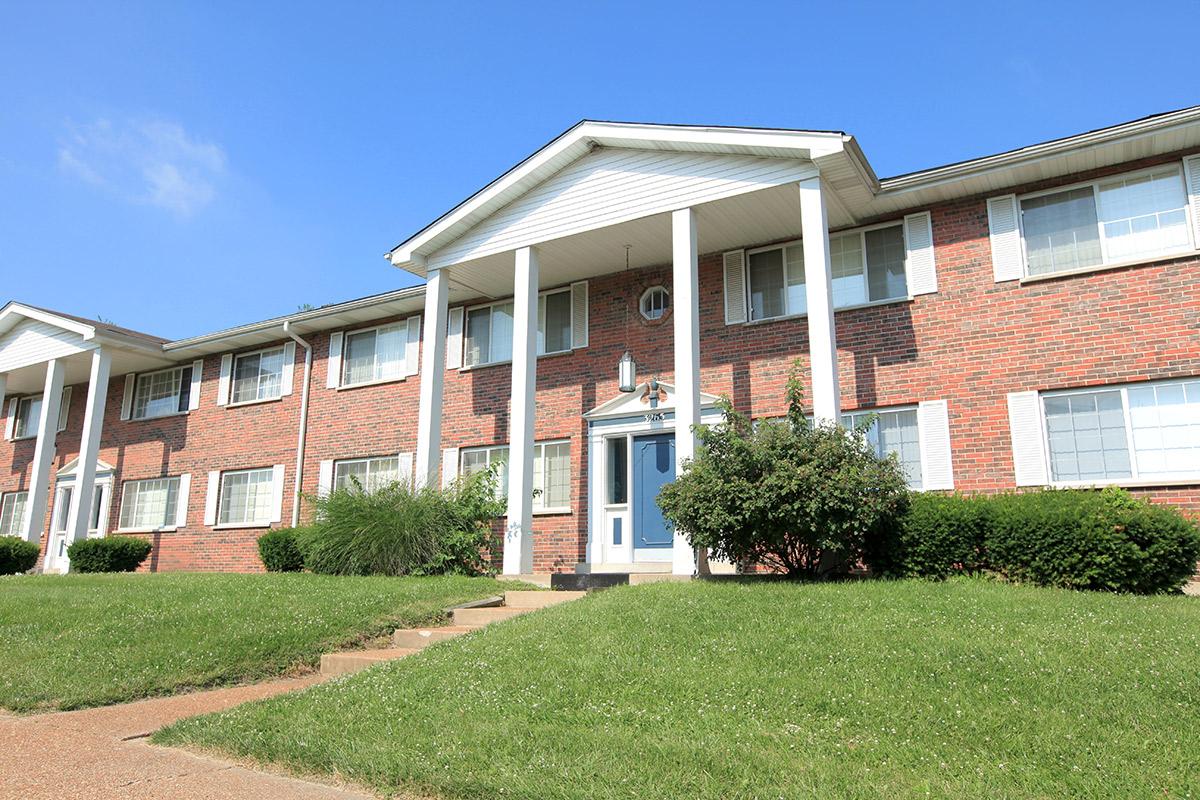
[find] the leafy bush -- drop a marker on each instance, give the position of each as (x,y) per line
(801,498)
(278,551)
(111,554)
(1077,539)
(17,555)
(399,530)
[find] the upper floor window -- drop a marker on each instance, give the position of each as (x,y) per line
(1140,432)
(892,431)
(1109,221)
(12,513)
(161,393)
(489,329)
(551,472)
(258,376)
(654,302)
(149,503)
(378,354)
(868,266)
(366,474)
(29,411)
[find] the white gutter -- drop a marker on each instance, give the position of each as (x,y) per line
(302,433)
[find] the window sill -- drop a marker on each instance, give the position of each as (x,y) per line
(551,512)
(1132,262)
(1127,483)
(838,310)
(160,529)
(159,416)
(242,403)
(365,384)
(30,437)
(237,526)
(508,362)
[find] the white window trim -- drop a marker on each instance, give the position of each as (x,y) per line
(337,462)
(642,299)
(536,311)
(1134,480)
(345,349)
(538,509)
(5,498)
(169,528)
(915,407)
(862,232)
(17,420)
(233,378)
(1105,263)
(137,381)
(221,497)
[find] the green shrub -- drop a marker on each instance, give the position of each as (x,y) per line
(278,551)
(111,554)
(939,536)
(17,555)
(399,530)
(803,499)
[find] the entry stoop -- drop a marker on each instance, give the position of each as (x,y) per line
(355,660)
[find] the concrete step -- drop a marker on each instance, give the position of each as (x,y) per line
(539,599)
(418,638)
(350,661)
(478,617)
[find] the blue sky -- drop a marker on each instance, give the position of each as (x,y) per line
(180,168)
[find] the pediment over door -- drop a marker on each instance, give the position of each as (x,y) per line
(644,400)
(71,469)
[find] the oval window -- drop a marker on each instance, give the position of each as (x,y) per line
(655,302)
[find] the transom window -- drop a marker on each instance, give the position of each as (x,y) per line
(366,474)
(12,512)
(149,503)
(551,472)
(489,329)
(258,376)
(158,394)
(375,355)
(246,497)
(1109,221)
(1139,432)
(867,267)
(893,431)
(654,302)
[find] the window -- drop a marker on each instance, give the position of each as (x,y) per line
(1143,432)
(551,472)
(375,355)
(29,411)
(149,503)
(367,474)
(489,334)
(1109,221)
(618,470)
(258,376)
(246,497)
(12,513)
(654,303)
(158,394)
(893,431)
(867,267)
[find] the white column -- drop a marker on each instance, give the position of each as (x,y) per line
(89,447)
(686,314)
(518,540)
(43,452)
(818,282)
(433,371)
(3,389)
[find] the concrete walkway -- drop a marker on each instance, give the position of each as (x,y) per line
(103,753)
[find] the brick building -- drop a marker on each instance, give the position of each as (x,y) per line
(1030,318)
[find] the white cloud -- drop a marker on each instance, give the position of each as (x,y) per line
(150,161)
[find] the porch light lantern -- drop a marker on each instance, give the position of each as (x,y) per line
(627,373)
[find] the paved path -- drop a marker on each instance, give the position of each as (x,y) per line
(102,753)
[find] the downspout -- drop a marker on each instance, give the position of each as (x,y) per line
(302,434)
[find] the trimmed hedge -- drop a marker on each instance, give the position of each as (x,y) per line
(1075,539)
(279,552)
(111,554)
(17,555)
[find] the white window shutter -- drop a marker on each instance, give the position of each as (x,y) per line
(289,368)
(210,499)
(181,499)
(933,428)
(1191,176)
(325,477)
(735,287)
(277,494)
(1028,444)
(405,468)
(919,259)
(10,422)
(197,378)
(412,347)
(225,379)
(333,364)
(64,409)
(579,315)
(1005,234)
(127,398)
(454,339)
(449,466)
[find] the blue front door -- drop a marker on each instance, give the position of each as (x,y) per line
(653,467)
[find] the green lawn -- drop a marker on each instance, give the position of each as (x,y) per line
(860,690)
(84,640)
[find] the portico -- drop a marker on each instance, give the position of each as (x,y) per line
(653,194)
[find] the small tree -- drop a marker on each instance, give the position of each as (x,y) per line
(795,496)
